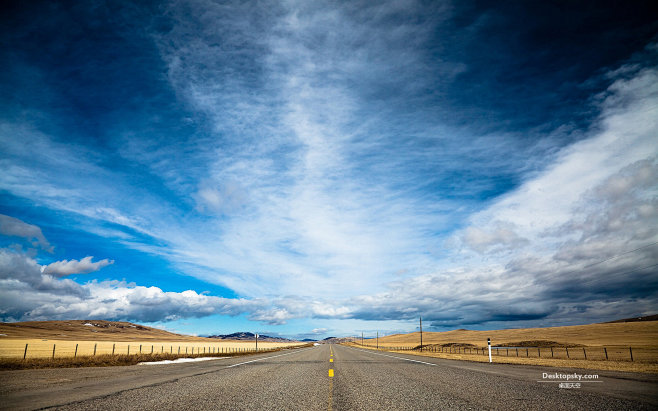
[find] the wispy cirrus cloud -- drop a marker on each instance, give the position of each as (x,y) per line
(393,156)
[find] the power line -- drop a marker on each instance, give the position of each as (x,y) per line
(619,255)
(610,258)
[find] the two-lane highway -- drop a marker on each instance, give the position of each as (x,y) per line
(321,378)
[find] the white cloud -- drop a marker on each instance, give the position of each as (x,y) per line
(588,222)
(501,237)
(68,267)
(564,190)
(329,198)
(28,294)
(14,227)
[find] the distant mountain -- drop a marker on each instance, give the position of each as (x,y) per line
(241,336)
(308,340)
(336,340)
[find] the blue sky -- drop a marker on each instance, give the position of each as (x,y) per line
(309,169)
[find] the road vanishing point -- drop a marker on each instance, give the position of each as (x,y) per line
(324,377)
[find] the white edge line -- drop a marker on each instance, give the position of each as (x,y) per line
(266,358)
(399,358)
(180,360)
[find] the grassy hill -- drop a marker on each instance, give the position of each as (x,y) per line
(636,334)
(95,330)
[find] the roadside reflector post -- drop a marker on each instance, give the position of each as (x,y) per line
(605,350)
(95,348)
(489,345)
(75,354)
(54,350)
(25,353)
(151,348)
(113,345)
(421,333)
(630,349)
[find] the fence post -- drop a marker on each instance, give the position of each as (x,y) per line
(151,348)
(140,348)
(128,349)
(551,352)
(630,349)
(539,352)
(53,350)
(584,353)
(25,353)
(75,354)
(517,352)
(95,344)
(567,348)
(605,350)
(113,344)
(526,352)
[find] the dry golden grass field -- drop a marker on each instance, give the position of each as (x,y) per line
(587,345)
(106,337)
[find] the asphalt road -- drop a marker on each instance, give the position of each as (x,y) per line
(301,380)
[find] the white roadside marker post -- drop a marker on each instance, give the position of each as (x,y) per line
(489,344)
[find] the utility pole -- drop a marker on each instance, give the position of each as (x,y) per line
(421,333)
(256,341)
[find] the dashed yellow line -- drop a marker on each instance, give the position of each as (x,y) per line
(331,381)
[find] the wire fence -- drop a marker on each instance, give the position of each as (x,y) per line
(603,353)
(58,349)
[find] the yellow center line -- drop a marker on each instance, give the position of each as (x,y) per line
(331,390)
(331,381)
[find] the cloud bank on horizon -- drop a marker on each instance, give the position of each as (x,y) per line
(329,162)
